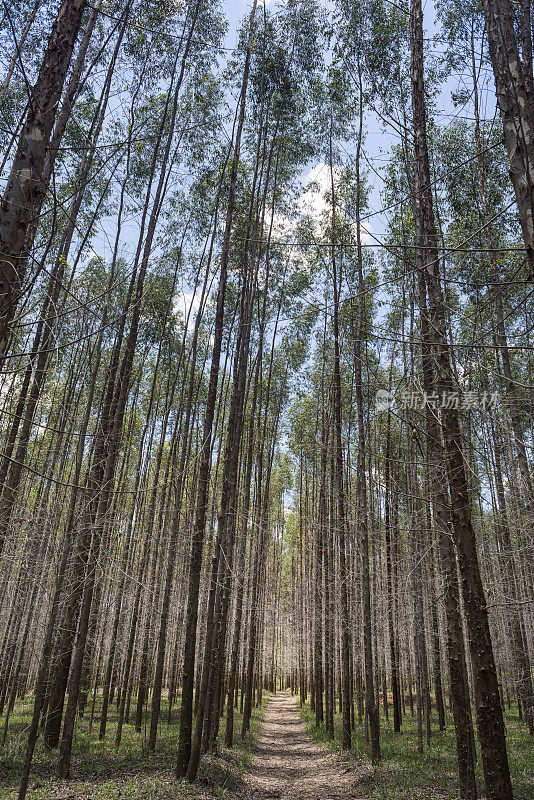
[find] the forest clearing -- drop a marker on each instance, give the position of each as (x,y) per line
(267,400)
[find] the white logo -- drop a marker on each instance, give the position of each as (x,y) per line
(384,400)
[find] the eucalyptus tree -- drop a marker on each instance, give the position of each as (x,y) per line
(117,394)
(485,185)
(30,174)
(273,110)
(188,750)
(205,506)
(510,48)
(489,711)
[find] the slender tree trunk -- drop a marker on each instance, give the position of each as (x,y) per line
(515,99)
(489,712)
(342,524)
(371,705)
(26,187)
(188,751)
(395,687)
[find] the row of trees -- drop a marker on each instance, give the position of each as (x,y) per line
(185,342)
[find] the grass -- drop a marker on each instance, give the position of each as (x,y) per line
(405,774)
(100,771)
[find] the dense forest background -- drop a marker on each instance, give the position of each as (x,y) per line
(266,390)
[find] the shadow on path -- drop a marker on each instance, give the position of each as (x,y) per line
(287,764)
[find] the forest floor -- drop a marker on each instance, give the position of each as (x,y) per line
(288,765)
(101,771)
(283,758)
(406,774)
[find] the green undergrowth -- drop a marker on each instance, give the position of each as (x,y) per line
(406,774)
(101,771)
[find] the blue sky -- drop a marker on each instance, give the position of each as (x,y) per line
(379,141)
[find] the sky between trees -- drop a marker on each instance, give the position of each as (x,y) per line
(224,229)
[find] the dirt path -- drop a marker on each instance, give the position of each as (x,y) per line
(287,763)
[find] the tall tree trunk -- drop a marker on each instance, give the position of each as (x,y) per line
(27,186)
(515,99)
(340,497)
(189,756)
(389,527)
(489,712)
(371,705)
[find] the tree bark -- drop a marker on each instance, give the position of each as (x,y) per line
(515,99)
(27,186)
(489,712)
